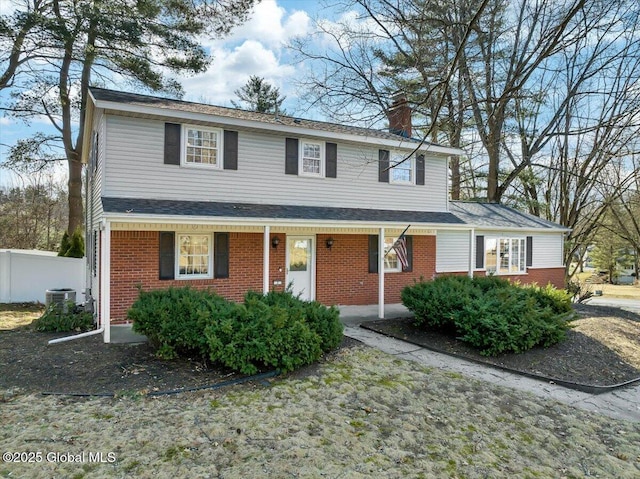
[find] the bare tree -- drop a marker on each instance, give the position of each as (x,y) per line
(103,42)
(33,213)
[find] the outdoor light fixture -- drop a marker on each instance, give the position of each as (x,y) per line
(329,242)
(275,241)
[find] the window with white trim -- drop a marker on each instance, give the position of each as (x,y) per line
(202,146)
(311,158)
(404,170)
(391,262)
(195,256)
(505,255)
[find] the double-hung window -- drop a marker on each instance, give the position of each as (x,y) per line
(505,255)
(391,262)
(402,169)
(311,158)
(195,258)
(202,146)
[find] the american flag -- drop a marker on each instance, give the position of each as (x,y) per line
(401,251)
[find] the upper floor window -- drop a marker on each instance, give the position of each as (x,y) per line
(202,146)
(505,255)
(403,171)
(311,158)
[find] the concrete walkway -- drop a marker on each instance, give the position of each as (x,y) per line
(620,404)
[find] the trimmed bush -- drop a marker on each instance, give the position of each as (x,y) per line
(277,330)
(263,335)
(65,318)
(174,319)
(322,320)
(490,313)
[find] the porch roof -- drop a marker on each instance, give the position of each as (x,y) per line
(138,207)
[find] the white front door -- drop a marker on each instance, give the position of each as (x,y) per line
(300,266)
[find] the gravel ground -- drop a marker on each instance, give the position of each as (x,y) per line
(361,414)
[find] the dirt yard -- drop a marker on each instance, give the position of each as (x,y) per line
(360,413)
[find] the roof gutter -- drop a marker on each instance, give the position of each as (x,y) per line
(261,222)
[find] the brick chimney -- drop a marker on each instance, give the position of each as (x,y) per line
(399,115)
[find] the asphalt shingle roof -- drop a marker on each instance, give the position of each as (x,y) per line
(101,94)
(246,210)
(493,215)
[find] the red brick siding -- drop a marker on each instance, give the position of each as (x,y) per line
(540,276)
(135,261)
(342,273)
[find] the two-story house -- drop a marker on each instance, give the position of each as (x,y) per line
(183,193)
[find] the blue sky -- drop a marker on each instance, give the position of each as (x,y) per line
(257,47)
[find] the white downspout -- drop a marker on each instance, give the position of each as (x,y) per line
(381,274)
(105,280)
(266,243)
(105,322)
(472,251)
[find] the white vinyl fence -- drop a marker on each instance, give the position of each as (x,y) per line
(26,275)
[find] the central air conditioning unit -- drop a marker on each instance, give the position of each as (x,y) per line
(60,298)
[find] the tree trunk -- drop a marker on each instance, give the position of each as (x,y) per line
(75,196)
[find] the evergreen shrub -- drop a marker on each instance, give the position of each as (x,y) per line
(491,314)
(277,330)
(64,318)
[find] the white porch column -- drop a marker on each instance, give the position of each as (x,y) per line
(105,282)
(472,251)
(381,273)
(266,243)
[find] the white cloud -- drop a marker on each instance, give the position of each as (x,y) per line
(232,68)
(269,25)
(255,48)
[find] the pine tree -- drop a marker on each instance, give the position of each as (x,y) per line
(259,95)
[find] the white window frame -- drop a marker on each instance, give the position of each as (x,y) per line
(219,147)
(521,260)
(398,267)
(322,146)
(397,157)
(186,276)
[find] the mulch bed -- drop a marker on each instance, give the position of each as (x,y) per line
(88,366)
(579,360)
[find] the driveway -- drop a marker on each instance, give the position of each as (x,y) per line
(632,305)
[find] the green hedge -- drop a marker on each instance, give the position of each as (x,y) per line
(492,314)
(276,330)
(64,318)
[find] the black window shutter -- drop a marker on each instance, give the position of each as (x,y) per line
(383,166)
(420,170)
(331,160)
(409,267)
(172,143)
(221,255)
(230,159)
(167,254)
(479,252)
(373,253)
(529,251)
(291,156)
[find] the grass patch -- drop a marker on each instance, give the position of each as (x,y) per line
(19,315)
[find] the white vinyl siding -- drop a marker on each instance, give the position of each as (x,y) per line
(135,169)
(452,251)
(547,250)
